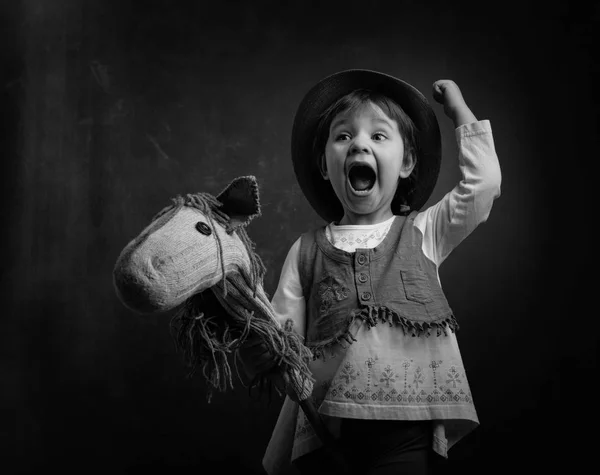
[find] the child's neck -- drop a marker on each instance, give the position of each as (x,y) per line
(355,219)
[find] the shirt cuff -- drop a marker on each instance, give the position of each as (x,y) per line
(473,128)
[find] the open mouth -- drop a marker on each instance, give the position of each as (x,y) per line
(361,178)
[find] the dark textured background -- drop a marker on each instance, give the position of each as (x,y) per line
(111,108)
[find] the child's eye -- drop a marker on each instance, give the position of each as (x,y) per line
(379,136)
(342,136)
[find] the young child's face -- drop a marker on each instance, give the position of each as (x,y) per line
(363,161)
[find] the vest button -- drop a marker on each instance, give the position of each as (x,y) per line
(362,277)
(366,296)
(362,259)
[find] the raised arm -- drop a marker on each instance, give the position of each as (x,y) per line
(447,93)
(445,224)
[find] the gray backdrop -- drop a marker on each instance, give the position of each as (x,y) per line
(112,108)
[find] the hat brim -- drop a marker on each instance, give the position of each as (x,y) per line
(318,191)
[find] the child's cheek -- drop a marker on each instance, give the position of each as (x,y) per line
(335,160)
(336,150)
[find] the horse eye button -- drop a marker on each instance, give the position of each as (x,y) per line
(362,259)
(362,277)
(203,228)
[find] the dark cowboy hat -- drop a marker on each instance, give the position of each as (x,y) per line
(318,191)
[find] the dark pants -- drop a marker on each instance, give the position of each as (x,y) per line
(373,447)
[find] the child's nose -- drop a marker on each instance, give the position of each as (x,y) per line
(359,145)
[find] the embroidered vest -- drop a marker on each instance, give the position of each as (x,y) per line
(393,283)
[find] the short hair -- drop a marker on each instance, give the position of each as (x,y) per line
(354,101)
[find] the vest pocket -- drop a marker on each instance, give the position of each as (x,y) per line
(416,286)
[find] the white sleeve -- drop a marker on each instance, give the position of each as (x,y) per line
(288,300)
(445,224)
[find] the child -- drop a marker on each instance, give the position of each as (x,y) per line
(364,290)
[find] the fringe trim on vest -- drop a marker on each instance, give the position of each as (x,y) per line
(371,316)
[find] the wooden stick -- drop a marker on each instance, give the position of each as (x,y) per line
(314,418)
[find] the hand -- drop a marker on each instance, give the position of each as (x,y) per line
(258,359)
(447,93)
(256,356)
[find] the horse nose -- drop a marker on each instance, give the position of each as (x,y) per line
(136,285)
(157,263)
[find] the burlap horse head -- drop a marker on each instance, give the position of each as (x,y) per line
(196,258)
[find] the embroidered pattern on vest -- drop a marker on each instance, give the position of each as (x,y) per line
(330,291)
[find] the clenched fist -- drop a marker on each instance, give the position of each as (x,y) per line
(447,93)
(256,356)
(258,359)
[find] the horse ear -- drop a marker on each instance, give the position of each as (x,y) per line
(240,200)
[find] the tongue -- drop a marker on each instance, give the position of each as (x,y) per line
(361,183)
